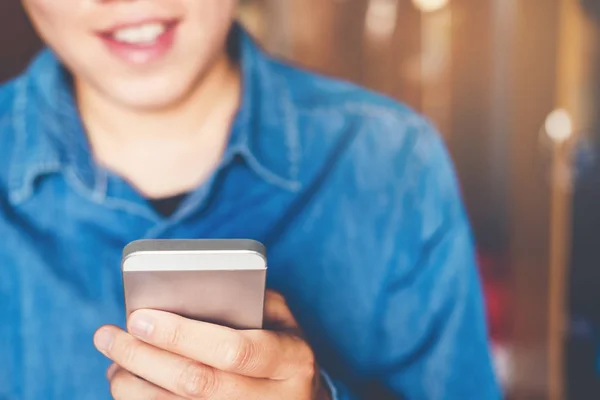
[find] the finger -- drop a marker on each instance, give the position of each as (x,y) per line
(126,386)
(176,374)
(111,371)
(277,312)
(258,354)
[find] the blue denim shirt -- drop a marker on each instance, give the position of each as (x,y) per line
(353,194)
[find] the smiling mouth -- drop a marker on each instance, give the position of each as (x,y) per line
(146,34)
(142,43)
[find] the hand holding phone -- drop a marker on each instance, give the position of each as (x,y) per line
(171,357)
(195,316)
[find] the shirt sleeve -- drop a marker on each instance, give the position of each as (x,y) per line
(430,330)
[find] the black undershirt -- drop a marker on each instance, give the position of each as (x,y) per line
(168,205)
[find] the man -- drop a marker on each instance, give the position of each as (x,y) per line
(158,119)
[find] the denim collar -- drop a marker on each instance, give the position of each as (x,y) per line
(50,137)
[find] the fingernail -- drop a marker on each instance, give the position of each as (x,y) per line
(110,372)
(103,340)
(141,325)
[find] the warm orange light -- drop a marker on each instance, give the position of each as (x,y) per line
(381,18)
(430,5)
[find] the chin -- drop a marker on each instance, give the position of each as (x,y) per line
(149,101)
(145,96)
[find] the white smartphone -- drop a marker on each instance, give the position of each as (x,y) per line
(217,281)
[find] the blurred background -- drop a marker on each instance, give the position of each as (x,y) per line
(513,86)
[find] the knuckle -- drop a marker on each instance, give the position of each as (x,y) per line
(129,352)
(197,382)
(172,336)
(241,355)
(307,366)
(278,297)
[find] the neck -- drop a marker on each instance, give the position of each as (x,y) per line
(167,151)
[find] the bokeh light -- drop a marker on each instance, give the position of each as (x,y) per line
(559,126)
(430,5)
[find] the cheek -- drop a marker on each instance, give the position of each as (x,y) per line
(210,9)
(43,10)
(49,15)
(56,22)
(207,22)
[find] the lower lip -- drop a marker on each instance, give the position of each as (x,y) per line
(142,54)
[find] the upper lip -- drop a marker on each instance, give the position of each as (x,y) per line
(138,22)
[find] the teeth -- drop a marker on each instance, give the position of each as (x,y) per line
(144,34)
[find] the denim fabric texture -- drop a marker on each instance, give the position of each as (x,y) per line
(353,194)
